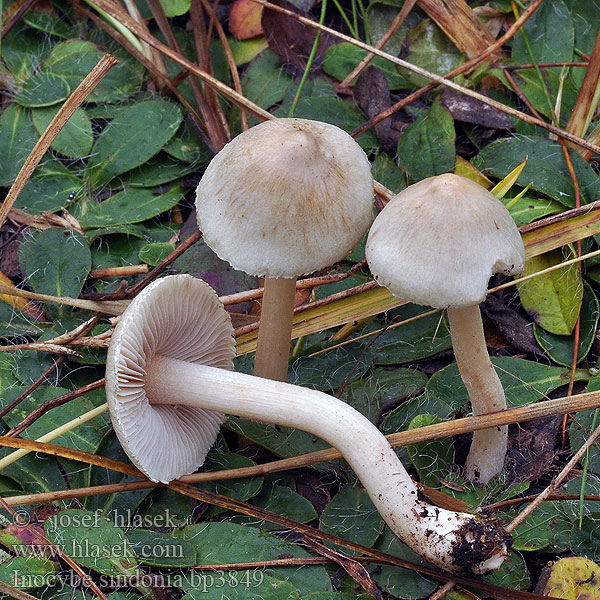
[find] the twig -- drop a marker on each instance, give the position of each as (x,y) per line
(34,386)
(510,32)
(85,578)
(398,20)
(119,271)
(48,405)
(509,416)
(133,290)
(72,103)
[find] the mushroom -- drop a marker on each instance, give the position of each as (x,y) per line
(168,383)
(437,243)
(285,198)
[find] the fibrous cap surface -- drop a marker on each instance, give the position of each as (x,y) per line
(285,198)
(176,317)
(440,240)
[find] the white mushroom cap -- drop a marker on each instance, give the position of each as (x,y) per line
(285,198)
(439,241)
(177,317)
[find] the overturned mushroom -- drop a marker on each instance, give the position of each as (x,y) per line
(438,242)
(168,383)
(285,198)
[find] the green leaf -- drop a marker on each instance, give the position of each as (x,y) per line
(242,488)
(400,583)
(523,381)
(220,543)
(513,574)
(550,34)
(426,146)
(412,341)
(381,388)
(130,206)
(43,89)
(153,254)
(546,168)
(238,585)
(75,138)
(186,145)
(320,102)
(161,549)
(136,136)
(160,169)
(93,541)
(378,18)
(553,299)
(528,209)
(351,515)
(56,263)
(433,459)
(26,572)
(74,59)
(581,426)
(585,540)
(175,8)
(17,139)
(118,506)
(328,371)
(341,59)
(265,82)
(284,501)
(48,23)
(13,323)
(430,49)
(22,50)
(560,347)
(47,192)
(388,173)
(281,441)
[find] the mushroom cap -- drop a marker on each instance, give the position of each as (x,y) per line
(176,317)
(285,198)
(439,241)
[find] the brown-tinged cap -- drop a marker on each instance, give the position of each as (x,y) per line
(177,317)
(286,198)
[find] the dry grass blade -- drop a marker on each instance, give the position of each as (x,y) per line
(73,102)
(456,19)
(117,12)
(542,236)
(110,308)
(587,99)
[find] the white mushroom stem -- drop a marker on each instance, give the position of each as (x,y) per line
(275,330)
(488,448)
(453,541)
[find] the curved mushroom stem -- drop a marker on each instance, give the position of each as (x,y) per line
(275,330)
(488,448)
(457,542)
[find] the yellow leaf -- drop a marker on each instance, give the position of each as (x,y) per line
(466,169)
(574,578)
(22,304)
(500,189)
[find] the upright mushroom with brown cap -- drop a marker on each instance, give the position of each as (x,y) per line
(285,198)
(161,397)
(437,243)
